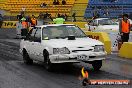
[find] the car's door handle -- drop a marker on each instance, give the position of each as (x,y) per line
(32,43)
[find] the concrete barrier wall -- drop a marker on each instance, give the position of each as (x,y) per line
(126,50)
(12,24)
(9,24)
(80,24)
(113,35)
(103,37)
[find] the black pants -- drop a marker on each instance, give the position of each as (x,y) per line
(24,32)
(125,37)
(1,24)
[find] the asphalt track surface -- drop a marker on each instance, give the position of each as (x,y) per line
(15,74)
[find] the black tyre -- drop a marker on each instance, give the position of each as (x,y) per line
(26,58)
(47,62)
(97,65)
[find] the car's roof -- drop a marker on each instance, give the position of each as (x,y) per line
(54,25)
(101,18)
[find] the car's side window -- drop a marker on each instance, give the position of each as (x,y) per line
(33,32)
(91,23)
(95,23)
(30,35)
(37,37)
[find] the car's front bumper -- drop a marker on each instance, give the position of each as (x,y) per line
(73,57)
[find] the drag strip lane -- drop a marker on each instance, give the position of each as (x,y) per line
(15,74)
(9,51)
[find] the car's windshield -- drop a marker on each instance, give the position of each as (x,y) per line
(107,22)
(62,31)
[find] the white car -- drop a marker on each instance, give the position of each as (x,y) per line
(102,24)
(119,19)
(61,43)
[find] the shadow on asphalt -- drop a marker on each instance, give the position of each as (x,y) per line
(70,70)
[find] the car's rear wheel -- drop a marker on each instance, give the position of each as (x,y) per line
(47,62)
(97,65)
(26,58)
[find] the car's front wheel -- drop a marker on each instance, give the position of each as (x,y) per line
(97,65)
(47,62)
(26,58)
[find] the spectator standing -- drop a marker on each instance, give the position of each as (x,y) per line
(58,15)
(18,29)
(54,3)
(19,17)
(23,10)
(57,3)
(28,18)
(33,21)
(1,20)
(66,16)
(74,17)
(43,5)
(40,19)
(47,15)
(63,2)
(63,16)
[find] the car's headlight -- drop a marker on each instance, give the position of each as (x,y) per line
(61,50)
(98,48)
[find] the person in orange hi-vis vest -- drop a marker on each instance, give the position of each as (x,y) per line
(124,28)
(33,21)
(24,29)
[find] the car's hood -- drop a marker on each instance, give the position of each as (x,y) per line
(79,42)
(109,27)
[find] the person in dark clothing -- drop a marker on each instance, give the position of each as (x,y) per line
(19,17)
(54,3)
(47,15)
(58,15)
(74,17)
(66,16)
(63,2)
(1,20)
(43,5)
(124,28)
(57,3)
(63,16)
(28,19)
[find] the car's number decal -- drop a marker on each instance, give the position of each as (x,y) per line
(82,57)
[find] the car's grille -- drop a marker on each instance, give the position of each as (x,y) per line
(81,50)
(92,56)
